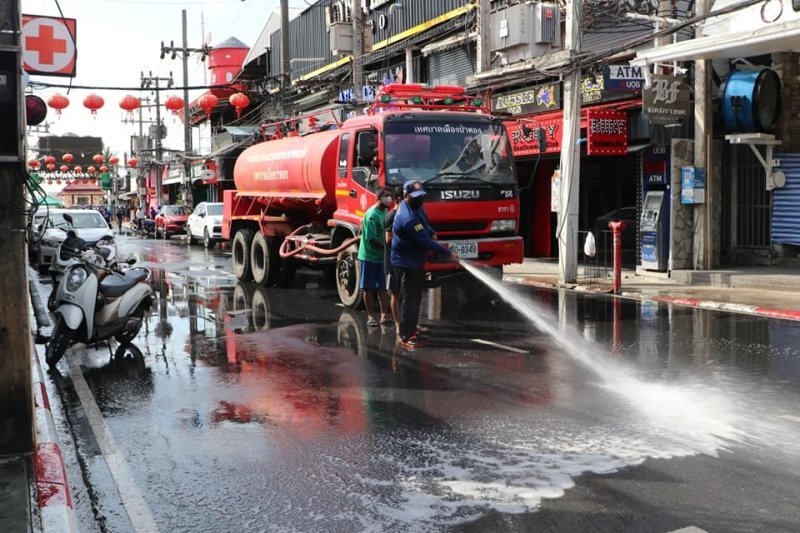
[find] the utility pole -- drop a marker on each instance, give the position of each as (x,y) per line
(484,28)
(185,52)
(702,250)
(16,392)
(152,82)
(358,52)
(286,65)
(567,231)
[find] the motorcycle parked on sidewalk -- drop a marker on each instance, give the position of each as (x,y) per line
(94,303)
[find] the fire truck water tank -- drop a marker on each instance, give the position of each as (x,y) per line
(291,173)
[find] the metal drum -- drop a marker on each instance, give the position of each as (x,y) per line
(751,101)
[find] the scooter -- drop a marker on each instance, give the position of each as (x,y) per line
(94,303)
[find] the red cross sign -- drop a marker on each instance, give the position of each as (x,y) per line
(48,45)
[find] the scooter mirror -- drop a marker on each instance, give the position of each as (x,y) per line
(68,218)
(131,261)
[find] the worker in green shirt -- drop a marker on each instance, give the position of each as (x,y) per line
(370,257)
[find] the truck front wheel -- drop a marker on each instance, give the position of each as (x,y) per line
(241,254)
(265,260)
(348,278)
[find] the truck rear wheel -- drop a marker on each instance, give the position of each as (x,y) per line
(265,261)
(240,254)
(348,278)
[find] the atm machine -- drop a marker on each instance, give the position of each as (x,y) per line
(654,231)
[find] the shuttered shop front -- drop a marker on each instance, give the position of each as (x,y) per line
(786,203)
(450,67)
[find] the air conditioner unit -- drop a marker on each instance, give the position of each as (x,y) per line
(341,38)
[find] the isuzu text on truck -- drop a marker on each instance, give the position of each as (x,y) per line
(299,199)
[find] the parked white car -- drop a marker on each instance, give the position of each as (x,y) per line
(87,223)
(205,223)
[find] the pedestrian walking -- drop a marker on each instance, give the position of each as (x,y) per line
(120,216)
(370,259)
(412,240)
(392,283)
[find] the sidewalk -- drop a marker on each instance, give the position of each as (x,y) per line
(765,291)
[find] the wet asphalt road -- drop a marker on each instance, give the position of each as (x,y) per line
(241,408)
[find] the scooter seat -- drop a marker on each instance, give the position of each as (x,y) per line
(115,285)
(104,252)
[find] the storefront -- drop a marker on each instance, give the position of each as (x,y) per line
(609,167)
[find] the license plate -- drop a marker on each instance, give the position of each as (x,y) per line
(465,249)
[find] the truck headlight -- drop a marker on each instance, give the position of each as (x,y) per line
(503,225)
(75,278)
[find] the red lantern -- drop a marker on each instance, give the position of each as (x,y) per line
(98,158)
(78,169)
(93,103)
(208,102)
(58,102)
(132,162)
(49,160)
(239,101)
(174,104)
(129,103)
(67,158)
(34,164)
(64,169)
(113,160)
(103,168)
(51,167)
(91,170)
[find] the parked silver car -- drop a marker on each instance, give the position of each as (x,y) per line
(87,223)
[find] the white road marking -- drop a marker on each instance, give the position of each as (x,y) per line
(790,418)
(501,346)
(138,512)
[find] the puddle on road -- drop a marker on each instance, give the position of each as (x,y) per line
(364,437)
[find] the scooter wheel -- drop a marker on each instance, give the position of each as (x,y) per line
(60,340)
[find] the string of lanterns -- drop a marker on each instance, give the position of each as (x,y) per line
(130,103)
(77,174)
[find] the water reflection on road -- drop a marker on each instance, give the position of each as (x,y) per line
(278,408)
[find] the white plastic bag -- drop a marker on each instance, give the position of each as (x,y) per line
(589,248)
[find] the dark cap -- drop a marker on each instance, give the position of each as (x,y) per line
(413,188)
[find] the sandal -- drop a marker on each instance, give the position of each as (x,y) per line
(372,323)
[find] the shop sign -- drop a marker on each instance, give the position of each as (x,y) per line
(623,77)
(606,132)
(654,161)
(693,185)
(525,136)
(546,97)
(666,101)
(592,89)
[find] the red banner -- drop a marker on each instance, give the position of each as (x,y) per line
(606,132)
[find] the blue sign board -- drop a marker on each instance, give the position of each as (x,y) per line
(693,185)
(623,77)
(655,164)
(649,246)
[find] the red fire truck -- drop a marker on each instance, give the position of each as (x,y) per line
(300,197)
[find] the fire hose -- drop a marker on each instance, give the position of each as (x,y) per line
(309,246)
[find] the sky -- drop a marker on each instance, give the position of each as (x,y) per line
(118,39)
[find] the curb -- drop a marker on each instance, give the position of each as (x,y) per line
(52,487)
(767,312)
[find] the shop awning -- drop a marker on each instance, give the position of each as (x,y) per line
(765,40)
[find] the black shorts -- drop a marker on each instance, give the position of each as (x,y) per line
(392,280)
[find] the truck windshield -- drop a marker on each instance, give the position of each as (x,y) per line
(447,151)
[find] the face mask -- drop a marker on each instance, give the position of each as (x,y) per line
(415,203)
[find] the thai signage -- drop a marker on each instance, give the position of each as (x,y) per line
(546,97)
(606,132)
(666,101)
(527,137)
